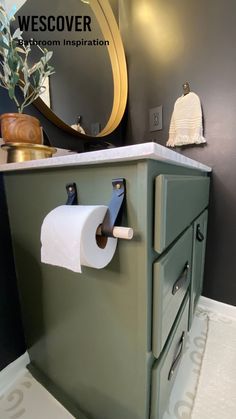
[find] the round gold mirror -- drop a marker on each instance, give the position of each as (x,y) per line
(90,80)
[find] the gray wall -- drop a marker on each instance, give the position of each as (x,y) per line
(167,43)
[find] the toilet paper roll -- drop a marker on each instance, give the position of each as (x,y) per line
(68,238)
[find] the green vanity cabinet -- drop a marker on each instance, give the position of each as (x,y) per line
(199,247)
(104,341)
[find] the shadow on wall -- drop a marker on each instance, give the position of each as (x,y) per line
(11,332)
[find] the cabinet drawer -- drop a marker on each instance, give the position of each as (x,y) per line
(164,370)
(171,278)
(178,200)
(199,247)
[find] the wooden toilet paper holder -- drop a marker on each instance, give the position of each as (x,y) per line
(110,226)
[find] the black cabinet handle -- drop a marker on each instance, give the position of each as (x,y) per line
(177,358)
(181,279)
(199,235)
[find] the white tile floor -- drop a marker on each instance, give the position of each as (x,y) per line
(206,371)
(27,399)
(216,394)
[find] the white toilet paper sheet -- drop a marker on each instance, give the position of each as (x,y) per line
(68,238)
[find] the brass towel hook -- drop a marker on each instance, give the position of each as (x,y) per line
(186,88)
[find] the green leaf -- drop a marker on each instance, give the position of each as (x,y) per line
(4,45)
(3,18)
(5,39)
(25,74)
(49,73)
(15,78)
(43,60)
(37,77)
(26,88)
(11,92)
(21,50)
(17,34)
(34,68)
(7,70)
(49,55)
(12,62)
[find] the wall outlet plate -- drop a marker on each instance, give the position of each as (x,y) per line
(95,128)
(155,118)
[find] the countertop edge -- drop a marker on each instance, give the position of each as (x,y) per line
(137,152)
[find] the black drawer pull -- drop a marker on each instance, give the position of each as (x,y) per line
(177,358)
(199,234)
(181,279)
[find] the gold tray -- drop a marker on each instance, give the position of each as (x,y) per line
(19,152)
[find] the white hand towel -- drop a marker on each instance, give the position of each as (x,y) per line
(186,122)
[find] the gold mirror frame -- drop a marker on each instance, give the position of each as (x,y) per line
(111,33)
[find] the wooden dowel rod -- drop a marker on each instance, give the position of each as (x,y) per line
(119,232)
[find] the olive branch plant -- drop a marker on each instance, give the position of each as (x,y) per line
(15,70)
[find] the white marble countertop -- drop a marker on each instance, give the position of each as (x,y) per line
(142,151)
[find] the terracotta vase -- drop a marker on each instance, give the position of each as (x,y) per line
(20,128)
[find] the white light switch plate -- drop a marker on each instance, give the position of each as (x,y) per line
(155,118)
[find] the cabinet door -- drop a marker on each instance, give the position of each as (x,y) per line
(178,201)
(199,247)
